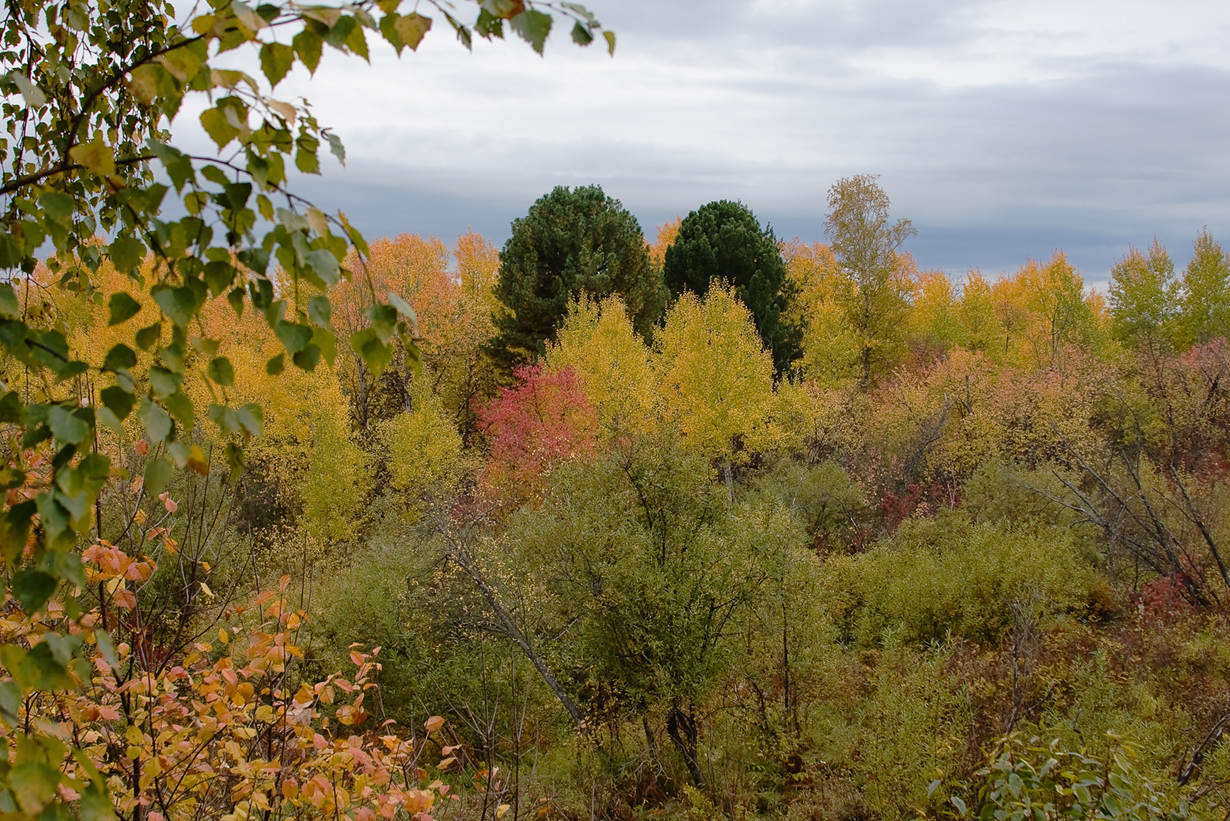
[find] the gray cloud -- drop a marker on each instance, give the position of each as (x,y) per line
(1003,136)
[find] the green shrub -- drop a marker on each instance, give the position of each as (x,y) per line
(1028,780)
(948,575)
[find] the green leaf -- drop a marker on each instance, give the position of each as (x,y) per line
(275,365)
(220,371)
(121,307)
(216,125)
(308,358)
(58,205)
(33,785)
(581,35)
(276,61)
(126,253)
(374,353)
(157,422)
(148,336)
(120,357)
(118,401)
(33,588)
(95,805)
(533,26)
(320,311)
(251,418)
(405,310)
(308,45)
(66,426)
(293,335)
(324,265)
(181,408)
(158,475)
(610,42)
(9,309)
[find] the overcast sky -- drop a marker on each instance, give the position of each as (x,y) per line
(1005,130)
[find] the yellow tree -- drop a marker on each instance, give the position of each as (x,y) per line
(597,341)
(306,449)
(714,378)
(980,327)
(422,451)
(666,235)
(934,319)
(830,347)
(461,374)
(1053,294)
(406,267)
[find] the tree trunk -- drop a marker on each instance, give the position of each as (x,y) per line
(681,727)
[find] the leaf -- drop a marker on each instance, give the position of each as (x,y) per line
(533,26)
(405,310)
(157,422)
(216,125)
(95,155)
(293,335)
(66,426)
(276,61)
(308,358)
(251,418)
(148,336)
(324,265)
(9,309)
(197,461)
(610,42)
(117,400)
(220,371)
(33,95)
(33,588)
(308,45)
(433,724)
(246,16)
(58,205)
(126,252)
(144,82)
(158,475)
(120,357)
(121,307)
(320,310)
(276,365)
(411,28)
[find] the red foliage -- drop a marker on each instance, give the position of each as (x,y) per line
(544,419)
(916,500)
(1163,597)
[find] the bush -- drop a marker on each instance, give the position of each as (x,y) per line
(1033,779)
(949,575)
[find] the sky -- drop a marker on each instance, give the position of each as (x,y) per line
(1004,130)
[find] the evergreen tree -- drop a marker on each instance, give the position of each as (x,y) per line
(723,241)
(572,243)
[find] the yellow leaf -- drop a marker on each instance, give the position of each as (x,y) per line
(197,460)
(205,589)
(95,155)
(411,29)
(502,810)
(433,724)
